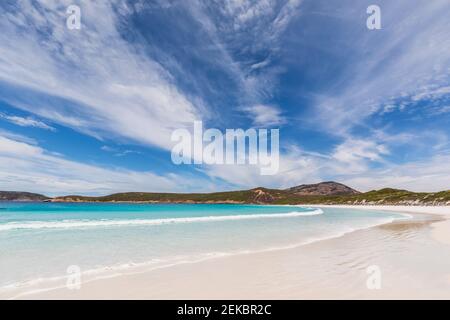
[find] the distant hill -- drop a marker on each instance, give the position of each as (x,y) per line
(258,195)
(387,196)
(21,196)
(321,193)
(329,188)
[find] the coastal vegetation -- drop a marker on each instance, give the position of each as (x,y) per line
(21,196)
(321,193)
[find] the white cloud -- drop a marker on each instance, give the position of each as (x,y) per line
(294,168)
(440,110)
(115,89)
(108,149)
(267,17)
(27,122)
(260,65)
(250,29)
(349,163)
(29,167)
(265,115)
(353,155)
(118,152)
(407,60)
(17,137)
(429,175)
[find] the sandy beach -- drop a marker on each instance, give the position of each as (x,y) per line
(412,257)
(188,150)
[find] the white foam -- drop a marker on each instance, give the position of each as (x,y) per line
(154,264)
(67,224)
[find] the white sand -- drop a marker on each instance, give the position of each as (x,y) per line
(439,210)
(414,264)
(441,230)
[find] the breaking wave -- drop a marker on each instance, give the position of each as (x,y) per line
(69,224)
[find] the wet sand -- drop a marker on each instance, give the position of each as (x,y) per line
(412,257)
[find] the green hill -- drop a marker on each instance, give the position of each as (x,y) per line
(21,196)
(321,193)
(311,194)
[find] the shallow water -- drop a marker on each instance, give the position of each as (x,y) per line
(39,241)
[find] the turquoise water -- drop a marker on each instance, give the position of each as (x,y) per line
(39,241)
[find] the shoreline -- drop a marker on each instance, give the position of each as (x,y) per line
(417,208)
(94,287)
(441,229)
(434,210)
(145,267)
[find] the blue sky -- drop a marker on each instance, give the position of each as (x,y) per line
(91,111)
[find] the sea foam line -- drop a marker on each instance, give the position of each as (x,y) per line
(67,224)
(120,270)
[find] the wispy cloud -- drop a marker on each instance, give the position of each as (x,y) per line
(24,166)
(428,175)
(27,122)
(354,154)
(127,76)
(361,164)
(295,168)
(108,85)
(248,35)
(265,115)
(118,152)
(405,62)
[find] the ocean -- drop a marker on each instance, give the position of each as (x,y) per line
(39,242)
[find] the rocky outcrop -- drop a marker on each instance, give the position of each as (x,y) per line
(328,188)
(261,196)
(21,196)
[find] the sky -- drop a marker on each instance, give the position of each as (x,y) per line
(91,110)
